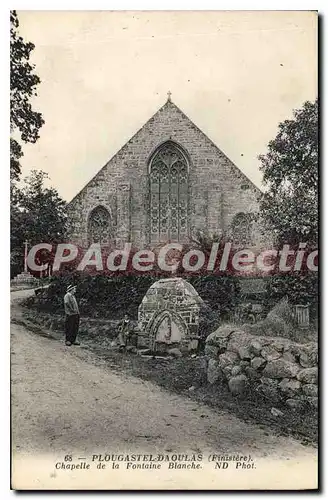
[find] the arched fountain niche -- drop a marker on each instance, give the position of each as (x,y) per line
(168,315)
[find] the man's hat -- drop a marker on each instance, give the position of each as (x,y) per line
(70,287)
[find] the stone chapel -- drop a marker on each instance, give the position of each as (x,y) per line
(166,184)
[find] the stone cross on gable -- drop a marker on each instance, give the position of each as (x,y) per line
(169,96)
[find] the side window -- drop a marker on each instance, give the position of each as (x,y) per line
(241,229)
(99,226)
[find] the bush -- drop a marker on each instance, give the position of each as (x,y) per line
(112,297)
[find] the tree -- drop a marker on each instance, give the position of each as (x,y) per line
(24,122)
(290,173)
(289,205)
(39,216)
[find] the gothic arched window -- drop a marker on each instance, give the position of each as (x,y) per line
(99,226)
(242,229)
(168,195)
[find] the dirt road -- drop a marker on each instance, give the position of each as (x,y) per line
(65,401)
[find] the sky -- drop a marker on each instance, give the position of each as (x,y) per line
(105,73)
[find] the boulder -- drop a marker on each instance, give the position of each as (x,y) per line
(219,338)
(237,340)
(280,368)
(211,350)
(310,390)
(297,350)
(264,341)
(252,374)
(227,371)
(309,359)
(258,363)
(290,387)
(313,401)
(255,347)
(245,353)
(281,345)
(228,358)
(236,370)
(313,353)
(175,352)
(308,375)
(288,356)
(295,404)
(269,353)
(213,371)
(304,360)
(238,385)
(243,364)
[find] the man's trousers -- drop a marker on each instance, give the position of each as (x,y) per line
(72,327)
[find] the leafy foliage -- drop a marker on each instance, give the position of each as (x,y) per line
(104,296)
(290,173)
(23,82)
(299,288)
(290,204)
(38,215)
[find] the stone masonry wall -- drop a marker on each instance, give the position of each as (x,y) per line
(279,369)
(218,189)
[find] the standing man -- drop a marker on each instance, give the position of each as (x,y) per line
(72,316)
(124,332)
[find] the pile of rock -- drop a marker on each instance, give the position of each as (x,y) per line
(279,369)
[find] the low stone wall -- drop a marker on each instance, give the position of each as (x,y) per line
(280,370)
